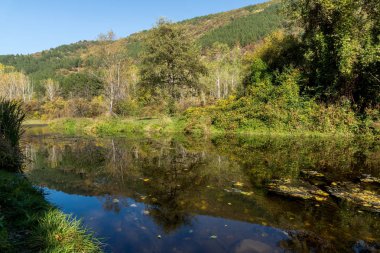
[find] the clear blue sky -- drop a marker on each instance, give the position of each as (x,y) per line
(29,26)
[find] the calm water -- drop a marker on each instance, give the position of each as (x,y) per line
(177,194)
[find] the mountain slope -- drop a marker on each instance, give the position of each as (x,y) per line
(242,26)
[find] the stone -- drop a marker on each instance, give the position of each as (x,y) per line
(249,245)
(297,189)
(356,195)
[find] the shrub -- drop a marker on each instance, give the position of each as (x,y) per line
(11,118)
(277,106)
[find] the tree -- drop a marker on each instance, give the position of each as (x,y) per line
(224,67)
(341,42)
(15,85)
(170,62)
(113,70)
(51,89)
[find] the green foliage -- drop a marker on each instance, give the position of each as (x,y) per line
(341,45)
(11,118)
(247,29)
(81,85)
(128,108)
(273,103)
(170,61)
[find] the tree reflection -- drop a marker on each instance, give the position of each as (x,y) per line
(177,180)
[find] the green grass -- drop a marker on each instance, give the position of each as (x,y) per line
(198,126)
(117,126)
(28,221)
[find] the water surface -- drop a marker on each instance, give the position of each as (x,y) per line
(177,194)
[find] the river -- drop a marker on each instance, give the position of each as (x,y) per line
(181,194)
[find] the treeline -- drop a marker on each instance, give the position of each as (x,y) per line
(54,63)
(73,65)
(320,73)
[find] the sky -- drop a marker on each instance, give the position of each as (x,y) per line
(29,26)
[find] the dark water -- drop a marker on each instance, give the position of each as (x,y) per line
(178,194)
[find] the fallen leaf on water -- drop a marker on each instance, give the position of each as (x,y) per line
(133,205)
(146,179)
(320,199)
(214,237)
(238,184)
(159,236)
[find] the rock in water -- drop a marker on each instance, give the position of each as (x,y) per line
(249,245)
(355,194)
(297,189)
(368,179)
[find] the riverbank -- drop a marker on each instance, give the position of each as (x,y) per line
(173,125)
(28,221)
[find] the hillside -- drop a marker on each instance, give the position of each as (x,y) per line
(241,26)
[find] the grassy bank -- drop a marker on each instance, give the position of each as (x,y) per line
(28,223)
(199,125)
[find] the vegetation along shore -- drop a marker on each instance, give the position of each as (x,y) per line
(28,222)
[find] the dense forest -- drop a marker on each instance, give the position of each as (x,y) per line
(293,65)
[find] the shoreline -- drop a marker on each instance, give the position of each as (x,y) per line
(29,221)
(124,127)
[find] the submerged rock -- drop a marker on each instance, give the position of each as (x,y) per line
(314,177)
(304,241)
(368,179)
(249,245)
(312,174)
(297,189)
(355,194)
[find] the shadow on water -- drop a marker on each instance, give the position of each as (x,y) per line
(179,194)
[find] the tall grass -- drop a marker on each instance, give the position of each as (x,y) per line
(28,223)
(11,118)
(58,232)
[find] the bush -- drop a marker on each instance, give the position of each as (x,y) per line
(76,107)
(127,107)
(79,107)
(11,118)
(278,106)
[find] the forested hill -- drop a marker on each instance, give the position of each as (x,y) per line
(241,26)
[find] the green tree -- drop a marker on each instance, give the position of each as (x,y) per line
(341,42)
(170,62)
